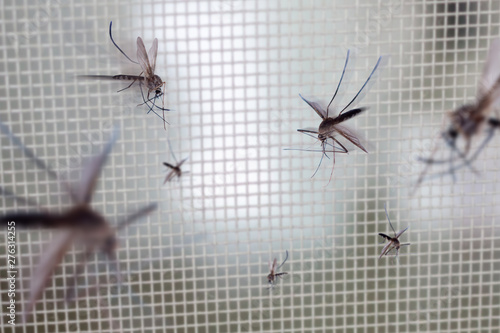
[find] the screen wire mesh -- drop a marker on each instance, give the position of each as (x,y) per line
(234,70)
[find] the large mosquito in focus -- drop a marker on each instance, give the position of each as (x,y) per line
(330,127)
(393,242)
(274,270)
(79,224)
(468,120)
(175,170)
(147,78)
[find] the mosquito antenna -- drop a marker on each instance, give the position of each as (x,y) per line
(388,219)
(364,85)
(119,49)
(286,258)
(338,86)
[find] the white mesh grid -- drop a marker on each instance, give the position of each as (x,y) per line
(234,70)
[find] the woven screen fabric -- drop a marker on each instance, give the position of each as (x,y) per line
(234,70)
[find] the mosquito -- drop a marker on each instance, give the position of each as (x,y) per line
(147,78)
(79,224)
(393,242)
(273,270)
(330,127)
(468,120)
(175,170)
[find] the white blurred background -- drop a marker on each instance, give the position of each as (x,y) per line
(234,71)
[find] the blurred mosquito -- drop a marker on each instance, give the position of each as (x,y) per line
(79,224)
(468,120)
(175,170)
(393,242)
(147,78)
(330,127)
(273,271)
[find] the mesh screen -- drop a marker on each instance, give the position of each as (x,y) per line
(234,70)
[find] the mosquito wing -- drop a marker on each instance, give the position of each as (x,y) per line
(491,70)
(90,173)
(153,52)
(351,136)
(401,232)
(48,262)
(142,58)
(273,267)
(182,162)
(386,249)
(319,110)
(169,176)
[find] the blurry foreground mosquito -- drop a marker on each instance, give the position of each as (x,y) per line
(147,78)
(80,224)
(468,120)
(330,127)
(175,170)
(273,271)
(393,242)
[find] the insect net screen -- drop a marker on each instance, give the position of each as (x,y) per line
(233,73)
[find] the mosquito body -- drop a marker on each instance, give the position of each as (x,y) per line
(331,127)
(273,275)
(175,170)
(392,242)
(80,224)
(468,121)
(147,78)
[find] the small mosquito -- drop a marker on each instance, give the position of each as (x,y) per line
(147,78)
(175,170)
(468,120)
(330,127)
(79,224)
(273,270)
(393,242)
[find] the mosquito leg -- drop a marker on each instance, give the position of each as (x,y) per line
(130,85)
(463,155)
(451,164)
(119,49)
(71,291)
(473,157)
(145,102)
(320,161)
